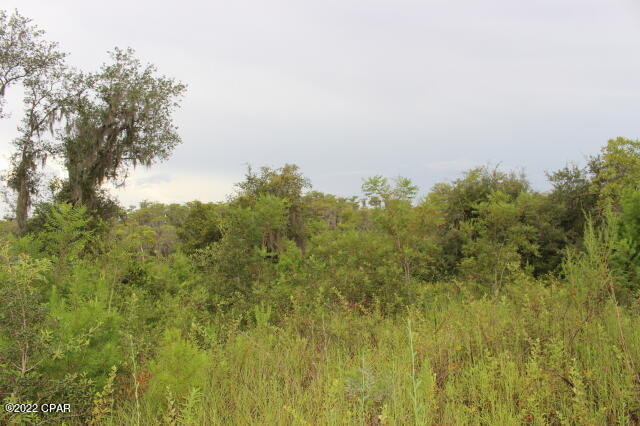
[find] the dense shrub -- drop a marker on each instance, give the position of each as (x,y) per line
(475,304)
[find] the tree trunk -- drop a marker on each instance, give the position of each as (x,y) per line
(22,206)
(22,183)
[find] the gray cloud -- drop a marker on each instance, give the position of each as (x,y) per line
(153,180)
(348,88)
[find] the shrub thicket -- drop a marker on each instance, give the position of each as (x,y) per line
(476,304)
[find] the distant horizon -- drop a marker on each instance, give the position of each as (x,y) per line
(422,191)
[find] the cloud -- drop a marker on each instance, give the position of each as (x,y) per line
(352,88)
(452,166)
(174,189)
(152,180)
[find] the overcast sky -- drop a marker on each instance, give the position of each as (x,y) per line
(349,89)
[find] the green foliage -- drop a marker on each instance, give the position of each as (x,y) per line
(28,59)
(326,211)
(179,367)
(66,232)
(359,265)
(94,333)
(119,117)
(626,246)
(103,402)
(102,123)
(511,360)
(573,198)
(378,191)
(617,172)
(151,230)
(478,304)
(460,199)
(375,189)
(252,239)
(25,52)
(496,239)
(485,302)
(458,203)
(201,227)
(32,338)
(25,340)
(285,183)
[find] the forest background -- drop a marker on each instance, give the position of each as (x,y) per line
(484,301)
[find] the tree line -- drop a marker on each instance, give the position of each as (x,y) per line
(484,301)
(99,123)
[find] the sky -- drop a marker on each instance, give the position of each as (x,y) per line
(350,89)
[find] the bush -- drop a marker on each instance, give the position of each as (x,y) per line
(178,368)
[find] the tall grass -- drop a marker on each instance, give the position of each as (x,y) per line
(499,361)
(560,352)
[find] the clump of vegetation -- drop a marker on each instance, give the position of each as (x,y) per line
(483,302)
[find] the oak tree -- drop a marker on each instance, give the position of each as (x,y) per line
(120,119)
